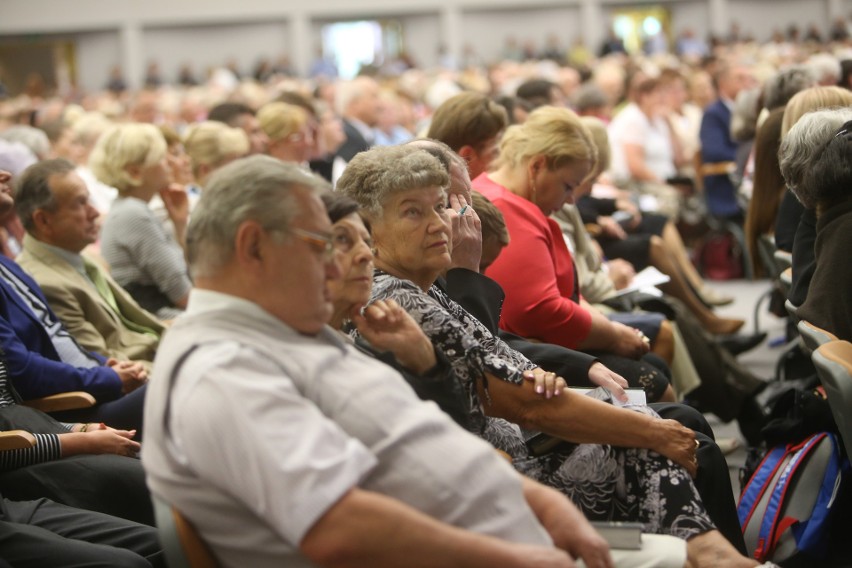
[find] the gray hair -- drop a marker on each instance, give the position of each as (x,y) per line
(744,116)
(829,181)
(32,190)
(372,176)
(440,150)
(781,87)
(802,148)
(33,138)
(257,188)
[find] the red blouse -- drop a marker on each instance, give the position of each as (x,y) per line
(537,273)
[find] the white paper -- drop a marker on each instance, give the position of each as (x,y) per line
(649,277)
(635,396)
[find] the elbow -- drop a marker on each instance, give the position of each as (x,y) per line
(329,550)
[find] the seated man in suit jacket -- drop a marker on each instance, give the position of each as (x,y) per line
(358,101)
(53,204)
(44,359)
(717,146)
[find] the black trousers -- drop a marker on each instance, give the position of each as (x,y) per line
(43,534)
(109,484)
(713,481)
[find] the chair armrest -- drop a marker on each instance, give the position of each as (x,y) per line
(62,401)
(16,440)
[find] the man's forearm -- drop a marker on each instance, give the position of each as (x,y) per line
(369,530)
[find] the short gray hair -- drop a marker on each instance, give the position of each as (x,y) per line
(257,188)
(829,181)
(781,87)
(33,138)
(32,189)
(372,176)
(802,147)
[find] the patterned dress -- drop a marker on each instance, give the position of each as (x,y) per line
(606,482)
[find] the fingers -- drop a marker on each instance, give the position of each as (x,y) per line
(546,383)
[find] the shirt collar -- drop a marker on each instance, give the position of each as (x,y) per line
(72,258)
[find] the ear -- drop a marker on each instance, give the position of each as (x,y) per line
(249,244)
(468,153)
(537,164)
(41,220)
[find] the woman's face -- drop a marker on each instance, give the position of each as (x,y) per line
(353,244)
(413,236)
(180,165)
(552,188)
(156,176)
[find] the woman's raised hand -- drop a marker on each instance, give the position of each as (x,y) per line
(467,233)
(388,327)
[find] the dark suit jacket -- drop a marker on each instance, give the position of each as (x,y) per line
(34,365)
(718,146)
(354,144)
(482,297)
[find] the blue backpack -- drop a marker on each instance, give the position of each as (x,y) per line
(785,507)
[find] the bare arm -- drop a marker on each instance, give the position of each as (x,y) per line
(566,524)
(357,530)
(635,156)
(612,336)
(582,419)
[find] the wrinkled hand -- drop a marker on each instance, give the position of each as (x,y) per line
(621,272)
(611,228)
(629,342)
(676,442)
(110,441)
(586,543)
(176,201)
(133,375)
(388,327)
(600,375)
(546,383)
(467,234)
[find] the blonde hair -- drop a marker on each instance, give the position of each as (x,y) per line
(124,145)
(600,138)
(552,132)
(814,98)
(280,120)
(210,143)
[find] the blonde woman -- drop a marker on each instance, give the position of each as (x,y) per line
(291,137)
(142,257)
(211,145)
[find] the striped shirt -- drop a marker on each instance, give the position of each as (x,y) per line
(139,251)
(47,447)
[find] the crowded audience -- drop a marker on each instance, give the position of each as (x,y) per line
(378,320)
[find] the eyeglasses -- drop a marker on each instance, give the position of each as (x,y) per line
(845,130)
(322,244)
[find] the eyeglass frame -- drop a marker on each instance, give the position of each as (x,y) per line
(326,242)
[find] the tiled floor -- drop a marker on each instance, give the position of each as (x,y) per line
(761,360)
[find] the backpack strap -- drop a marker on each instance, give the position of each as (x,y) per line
(769,528)
(757,485)
(809,532)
